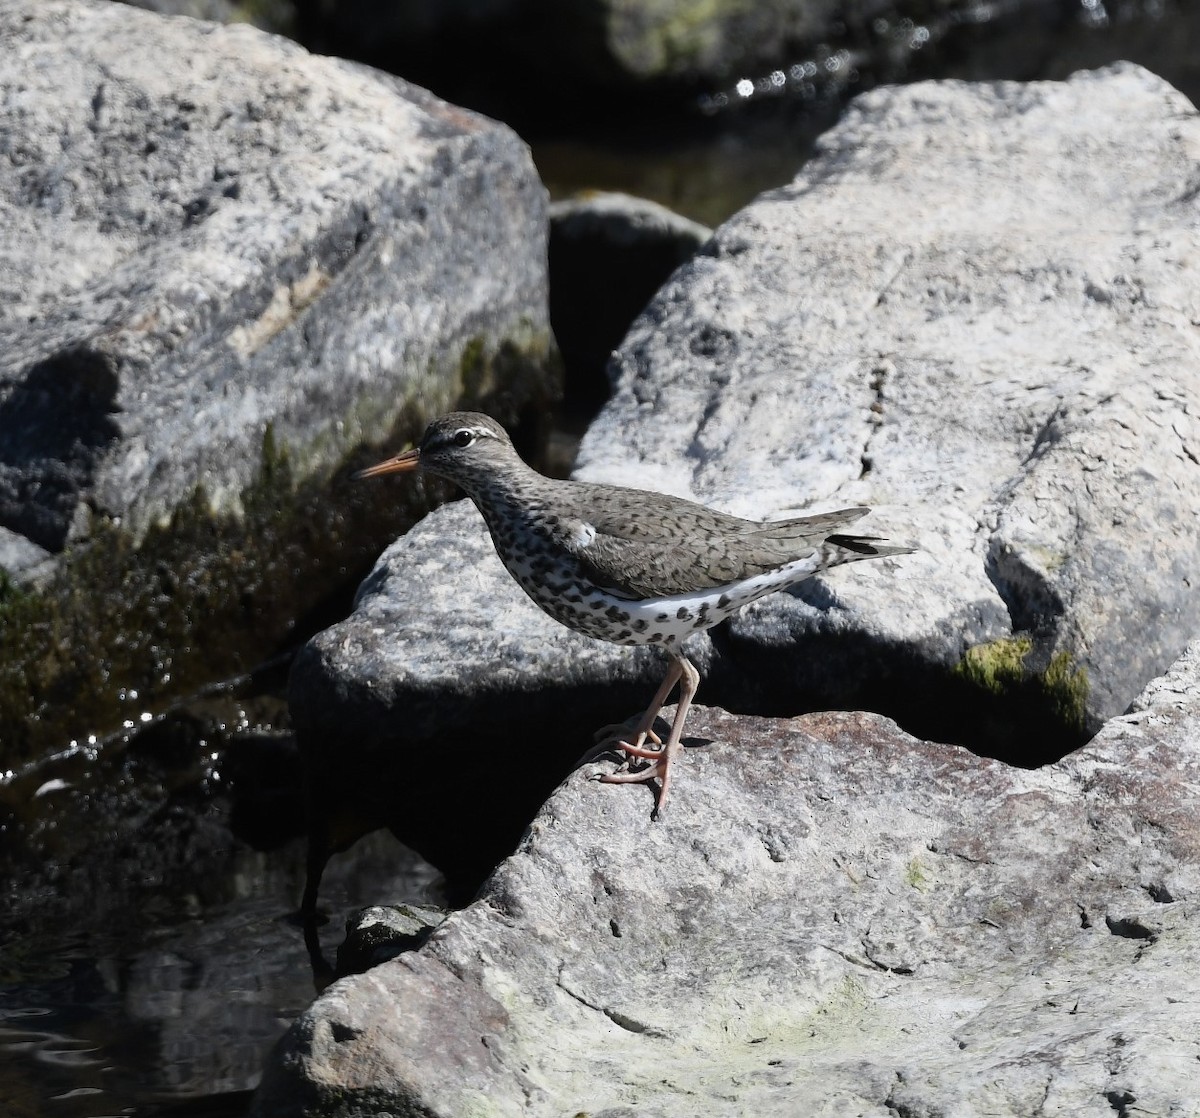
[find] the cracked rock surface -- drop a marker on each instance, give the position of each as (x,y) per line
(833,918)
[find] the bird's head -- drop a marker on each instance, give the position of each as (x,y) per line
(463,447)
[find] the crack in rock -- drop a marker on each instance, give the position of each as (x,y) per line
(879,375)
(621,1020)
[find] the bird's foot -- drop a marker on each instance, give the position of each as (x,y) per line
(613,735)
(636,749)
(630,776)
(635,752)
(611,739)
(658,769)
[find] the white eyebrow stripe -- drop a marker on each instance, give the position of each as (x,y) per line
(474,432)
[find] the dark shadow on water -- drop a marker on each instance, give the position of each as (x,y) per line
(148,965)
(173,1011)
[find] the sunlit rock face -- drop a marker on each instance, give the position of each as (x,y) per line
(832,911)
(228,266)
(972,311)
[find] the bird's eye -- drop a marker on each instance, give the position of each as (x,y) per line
(463,438)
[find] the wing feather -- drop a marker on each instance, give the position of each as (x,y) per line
(661,546)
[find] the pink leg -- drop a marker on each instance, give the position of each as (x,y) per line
(682,669)
(645,726)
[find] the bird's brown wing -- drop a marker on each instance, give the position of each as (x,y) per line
(637,570)
(659,546)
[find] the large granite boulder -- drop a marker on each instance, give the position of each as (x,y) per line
(228,266)
(835,918)
(920,323)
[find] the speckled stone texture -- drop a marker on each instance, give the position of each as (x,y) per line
(209,233)
(834,919)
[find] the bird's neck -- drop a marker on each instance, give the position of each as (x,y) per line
(510,494)
(513,498)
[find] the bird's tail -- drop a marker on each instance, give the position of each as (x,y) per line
(823,532)
(868,547)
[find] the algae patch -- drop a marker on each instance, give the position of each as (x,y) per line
(1003,679)
(128,624)
(996,667)
(915,876)
(1001,668)
(1067,689)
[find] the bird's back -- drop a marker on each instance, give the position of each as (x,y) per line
(642,544)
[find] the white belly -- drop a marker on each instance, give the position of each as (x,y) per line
(666,620)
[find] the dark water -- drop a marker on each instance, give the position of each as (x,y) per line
(171,1009)
(756,131)
(146,960)
(148,955)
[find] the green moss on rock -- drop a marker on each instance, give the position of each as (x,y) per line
(1054,696)
(915,876)
(1066,686)
(996,667)
(129,625)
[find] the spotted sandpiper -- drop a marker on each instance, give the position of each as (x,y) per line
(626,565)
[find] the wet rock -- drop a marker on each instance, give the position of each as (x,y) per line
(379,933)
(831,911)
(230,265)
(629,223)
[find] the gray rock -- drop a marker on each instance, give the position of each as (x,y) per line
(240,265)
(22,560)
(628,222)
(921,323)
(381,932)
(836,918)
(918,324)
(228,262)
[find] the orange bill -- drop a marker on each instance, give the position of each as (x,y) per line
(401,464)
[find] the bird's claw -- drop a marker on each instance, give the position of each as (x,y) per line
(636,749)
(612,738)
(615,732)
(621,775)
